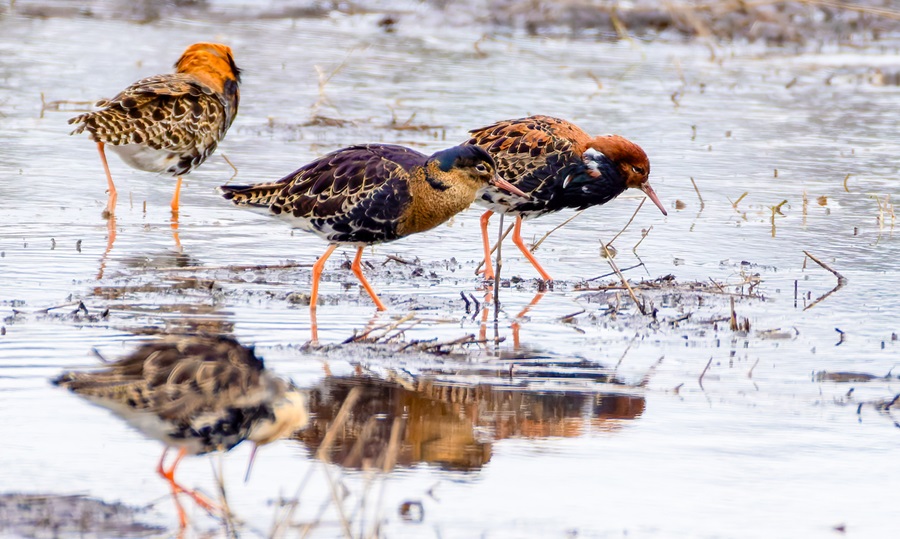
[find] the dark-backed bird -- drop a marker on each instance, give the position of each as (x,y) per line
(373,193)
(169,123)
(559,166)
(197,394)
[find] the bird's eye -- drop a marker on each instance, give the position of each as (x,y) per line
(480,167)
(637,170)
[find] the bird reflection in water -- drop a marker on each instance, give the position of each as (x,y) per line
(452,425)
(515,325)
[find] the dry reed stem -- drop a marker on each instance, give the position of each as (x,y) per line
(697,190)
(57,105)
(625,283)
(841,281)
(882,12)
(233,176)
(733,319)
(611,273)
(390,326)
(619,26)
(498,265)
(227,515)
(393,449)
(702,374)
(633,215)
(564,223)
(324,79)
(738,201)
(322,453)
(750,372)
(255,267)
(644,234)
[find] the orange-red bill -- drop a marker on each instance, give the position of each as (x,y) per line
(652,194)
(506,186)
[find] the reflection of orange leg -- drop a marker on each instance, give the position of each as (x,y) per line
(517,239)
(174,226)
(176,198)
(110,240)
(316,274)
(169,475)
(516,325)
(111,187)
(485,310)
(488,268)
(357,270)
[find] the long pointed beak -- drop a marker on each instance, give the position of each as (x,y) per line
(497,181)
(652,194)
(250,464)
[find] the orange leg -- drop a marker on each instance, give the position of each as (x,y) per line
(357,270)
(176,198)
(313,327)
(169,475)
(488,268)
(316,274)
(517,239)
(111,187)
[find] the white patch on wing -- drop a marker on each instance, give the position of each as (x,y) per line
(590,157)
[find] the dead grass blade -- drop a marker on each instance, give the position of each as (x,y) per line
(564,223)
(625,283)
(841,281)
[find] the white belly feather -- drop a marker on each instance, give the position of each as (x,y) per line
(143,157)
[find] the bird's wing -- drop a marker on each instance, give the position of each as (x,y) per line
(173,112)
(348,181)
(530,151)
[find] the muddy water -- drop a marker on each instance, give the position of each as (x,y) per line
(601,427)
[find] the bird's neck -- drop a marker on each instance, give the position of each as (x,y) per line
(588,188)
(435,199)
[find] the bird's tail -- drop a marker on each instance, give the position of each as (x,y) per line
(261,195)
(80,121)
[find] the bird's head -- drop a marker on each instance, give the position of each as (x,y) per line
(471,164)
(291,414)
(628,159)
(212,62)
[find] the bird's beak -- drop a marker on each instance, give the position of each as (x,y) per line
(652,194)
(250,464)
(497,181)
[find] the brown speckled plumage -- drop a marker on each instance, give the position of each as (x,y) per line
(169,123)
(196,393)
(372,193)
(559,166)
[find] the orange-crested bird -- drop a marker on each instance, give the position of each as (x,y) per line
(373,193)
(197,394)
(168,123)
(559,166)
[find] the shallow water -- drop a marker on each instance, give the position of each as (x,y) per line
(761,448)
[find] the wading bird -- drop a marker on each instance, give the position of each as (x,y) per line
(197,394)
(559,166)
(373,193)
(168,123)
